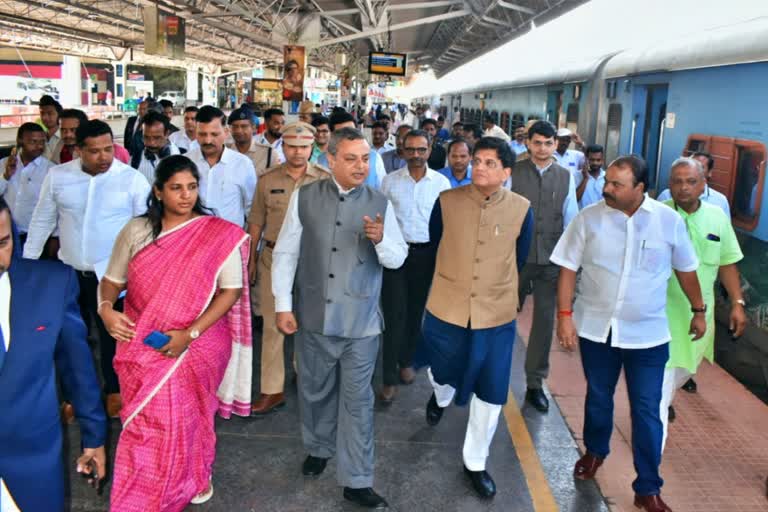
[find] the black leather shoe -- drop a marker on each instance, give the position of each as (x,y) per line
(366,497)
(434,411)
(690,386)
(537,399)
(671,414)
(481,482)
(313,466)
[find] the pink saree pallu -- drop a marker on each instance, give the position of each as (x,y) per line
(167,447)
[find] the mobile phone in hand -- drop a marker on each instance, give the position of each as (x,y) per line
(92,476)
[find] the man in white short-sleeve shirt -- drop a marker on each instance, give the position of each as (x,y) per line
(627,247)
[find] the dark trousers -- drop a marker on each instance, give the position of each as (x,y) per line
(88,305)
(404,295)
(544,281)
(644,373)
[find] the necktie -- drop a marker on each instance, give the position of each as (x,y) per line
(2,348)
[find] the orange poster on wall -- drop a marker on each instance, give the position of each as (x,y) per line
(293,75)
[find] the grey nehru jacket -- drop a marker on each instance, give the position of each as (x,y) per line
(338,279)
(547,193)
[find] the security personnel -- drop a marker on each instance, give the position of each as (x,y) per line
(241,128)
(270,204)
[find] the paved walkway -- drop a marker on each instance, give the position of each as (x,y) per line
(716,458)
(418,468)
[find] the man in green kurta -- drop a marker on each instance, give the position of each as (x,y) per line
(718,251)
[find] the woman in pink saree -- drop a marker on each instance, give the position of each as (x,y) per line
(184,273)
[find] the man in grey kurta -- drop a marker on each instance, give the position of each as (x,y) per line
(336,237)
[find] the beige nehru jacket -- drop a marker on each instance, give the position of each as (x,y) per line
(476,271)
(273,191)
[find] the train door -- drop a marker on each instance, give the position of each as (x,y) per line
(649,112)
(555,108)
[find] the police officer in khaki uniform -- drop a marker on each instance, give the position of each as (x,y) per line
(263,157)
(241,127)
(269,207)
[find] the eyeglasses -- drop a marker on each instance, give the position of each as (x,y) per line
(421,151)
(488,164)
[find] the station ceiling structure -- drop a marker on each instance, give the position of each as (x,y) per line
(243,34)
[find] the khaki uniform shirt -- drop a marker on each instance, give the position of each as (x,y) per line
(273,191)
(263,156)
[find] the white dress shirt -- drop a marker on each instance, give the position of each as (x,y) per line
(392,250)
(413,201)
(710,196)
(5,308)
(277,146)
(626,263)
(593,190)
(182,141)
(50,145)
(23,189)
(498,132)
(89,210)
(227,187)
(572,160)
(147,166)
(383,149)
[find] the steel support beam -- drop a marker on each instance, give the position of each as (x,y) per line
(515,7)
(399,26)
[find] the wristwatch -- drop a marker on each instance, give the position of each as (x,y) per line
(702,309)
(194,334)
(742,302)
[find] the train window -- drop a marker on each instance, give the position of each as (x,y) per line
(518,119)
(572,117)
(504,122)
(749,183)
(577,92)
(696,143)
(613,132)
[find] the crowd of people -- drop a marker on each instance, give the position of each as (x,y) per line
(416,240)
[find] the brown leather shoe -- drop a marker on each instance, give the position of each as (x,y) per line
(586,467)
(651,503)
(387,394)
(266,404)
(407,375)
(114,405)
(67,413)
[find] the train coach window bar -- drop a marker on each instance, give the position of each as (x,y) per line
(613,132)
(749,184)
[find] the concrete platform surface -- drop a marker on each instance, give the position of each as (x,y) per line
(418,468)
(716,458)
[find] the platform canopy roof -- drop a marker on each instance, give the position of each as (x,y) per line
(241,34)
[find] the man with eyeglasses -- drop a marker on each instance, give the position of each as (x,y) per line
(552,192)
(322,127)
(394,159)
(412,191)
(480,235)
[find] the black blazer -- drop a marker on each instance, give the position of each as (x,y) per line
(128,134)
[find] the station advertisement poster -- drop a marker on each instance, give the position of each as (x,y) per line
(293,76)
(164,33)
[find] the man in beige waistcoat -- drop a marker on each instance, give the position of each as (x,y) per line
(481,233)
(270,205)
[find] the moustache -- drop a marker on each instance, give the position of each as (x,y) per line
(608,196)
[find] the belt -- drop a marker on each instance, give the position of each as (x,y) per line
(86,273)
(269,244)
(414,245)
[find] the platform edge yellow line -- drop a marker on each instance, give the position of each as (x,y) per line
(538,485)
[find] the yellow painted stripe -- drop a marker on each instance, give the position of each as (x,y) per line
(538,486)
